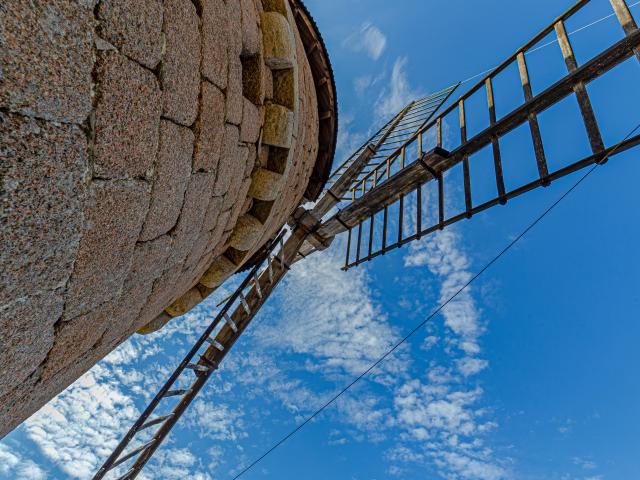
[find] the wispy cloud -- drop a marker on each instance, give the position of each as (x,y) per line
(368,39)
(14,465)
(398,93)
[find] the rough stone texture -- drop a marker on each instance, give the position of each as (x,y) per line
(251,35)
(265,185)
(210,129)
(215,37)
(233,194)
(278,126)
(171,177)
(134,27)
(72,339)
(127,118)
(246,232)
(228,167)
(46,59)
(24,345)
(106,248)
(251,122)
(153,206)
(43,175)
(155,324)
(185,303)
(234,92)
(278,41)
(180,71)
(196,201)
(222,267)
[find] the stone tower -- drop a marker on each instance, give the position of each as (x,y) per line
(148,151)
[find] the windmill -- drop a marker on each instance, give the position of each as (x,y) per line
(385,177)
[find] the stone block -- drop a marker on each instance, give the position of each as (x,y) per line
(285,89)
(171,177)
(234,92)
(39,237)
(265,184)
(215,38)
(279,6)
(216,240)
(46,59)
(27,336)
(278,126)
(218,272)
(127,118)
(233,193)
(278,41)
(213,214)
(246,233)
(185,303)
(210,129)
(114,221)
(234,19)
(155,324)
(251,37)
(253,78)
(196,201)
(74,338)
(251,122)
(268,84)
(134,27)
(229,166)
(180,69)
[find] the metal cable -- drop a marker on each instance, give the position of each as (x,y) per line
(437,310)
(545,45)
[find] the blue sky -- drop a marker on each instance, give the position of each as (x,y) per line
(530,374)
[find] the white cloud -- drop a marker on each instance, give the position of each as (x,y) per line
(217,422)
(368,39)
(399,92)
(14,466)
(329,315)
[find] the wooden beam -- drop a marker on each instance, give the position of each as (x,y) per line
(538,146)
(625,18)
(586,109)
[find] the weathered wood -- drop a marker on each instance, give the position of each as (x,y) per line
(341,186)
(586,162)
(625,18)
(465,160)
(371,226)
(439,132)
(495,142)
(538,146)
(385,194)
(400,217)
(385,220)
(597,66)
(419,208)
(586,109)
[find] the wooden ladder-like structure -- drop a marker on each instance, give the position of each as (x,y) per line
(389,182)
(377,176)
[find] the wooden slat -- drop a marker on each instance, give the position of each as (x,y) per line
(625,18)
(439,132)
(495,142)
(441,217)
(371,226)
(594,68)
(385,194)
(465,160)
(538,146)
(586,109)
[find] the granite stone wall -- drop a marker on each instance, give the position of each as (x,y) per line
(147,150)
